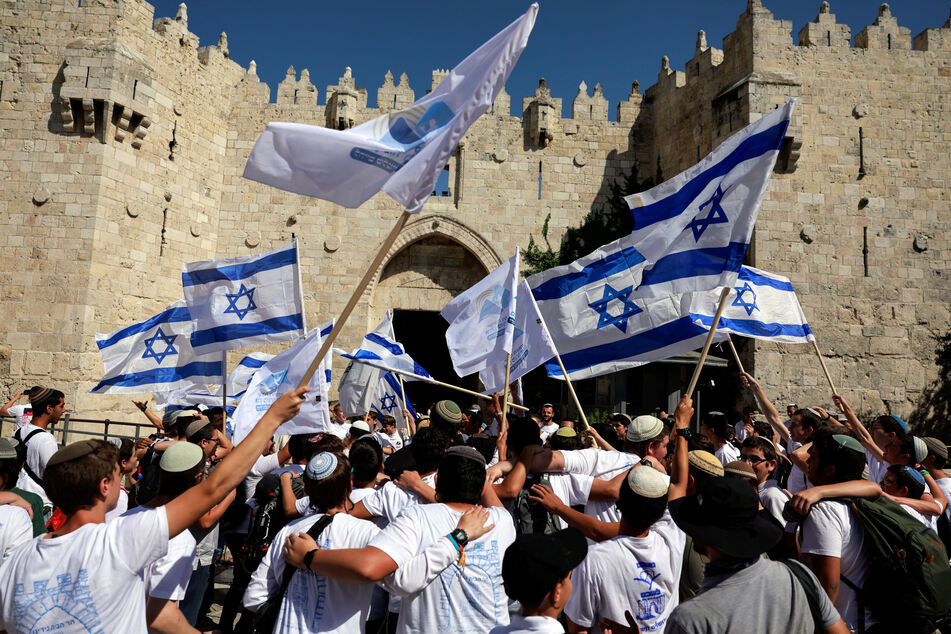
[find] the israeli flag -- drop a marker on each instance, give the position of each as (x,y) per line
(761,305)
(389,400)
(401,153)
(381,350)
(358,387)
(531,344)
(240,377)
(245,301)
(156,356)
(280,374)
(482,320)
(694,229)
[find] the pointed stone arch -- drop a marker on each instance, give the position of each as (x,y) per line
(434,258)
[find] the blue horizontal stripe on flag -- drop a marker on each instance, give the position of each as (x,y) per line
(163,375)
(695,263)
(762,280)
(326,331)
(173,315)
(392,347)
(251,362)
(673,205)
(240,331)
(756,328)
(240,271)
(419,370)
(634,346)
(612,264)
(363,354)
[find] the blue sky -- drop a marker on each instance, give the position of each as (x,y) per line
(611,42)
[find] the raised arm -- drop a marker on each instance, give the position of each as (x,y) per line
(143,406)
(803,501)
(5,410)
(769,410)
(185,510)
(858,428)
(288,499)
(678,473)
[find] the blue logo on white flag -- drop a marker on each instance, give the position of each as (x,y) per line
(273,382)
(234,298)
(151,352)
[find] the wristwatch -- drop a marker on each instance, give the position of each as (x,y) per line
(309,558)
(460,537)
(684,433)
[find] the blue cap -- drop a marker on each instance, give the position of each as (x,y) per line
(920,479)
(901,423)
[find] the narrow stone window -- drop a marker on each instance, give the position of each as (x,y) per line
(539,180)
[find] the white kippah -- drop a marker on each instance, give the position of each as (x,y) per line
(647,482)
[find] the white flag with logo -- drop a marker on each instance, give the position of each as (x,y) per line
(401,153)
(482,320)
(531,344)
(279,375)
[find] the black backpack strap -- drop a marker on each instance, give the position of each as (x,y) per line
(314,531)
(810,588)
(25,442)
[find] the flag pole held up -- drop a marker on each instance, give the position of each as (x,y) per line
(706,344)
(824,368)
(357,293)
(449,386)
(735,355)
(505,393)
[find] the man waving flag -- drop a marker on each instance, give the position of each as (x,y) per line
(401,153)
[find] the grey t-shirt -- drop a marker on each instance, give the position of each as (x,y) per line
(764,597)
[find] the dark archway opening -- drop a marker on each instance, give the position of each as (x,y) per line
(423,335)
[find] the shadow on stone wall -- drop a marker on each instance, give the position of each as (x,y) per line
(932,415)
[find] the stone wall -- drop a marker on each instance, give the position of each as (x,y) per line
(122,145)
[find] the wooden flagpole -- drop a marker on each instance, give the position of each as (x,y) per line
(449,386)
(571,390)
(824,368)
(357,292)
(505,393)
(706,344)
(224,389)
(402,390)
(735,355)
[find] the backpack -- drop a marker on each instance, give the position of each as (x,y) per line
(266,520)
(147,486)
(21,453)
(909,580)
(530,516)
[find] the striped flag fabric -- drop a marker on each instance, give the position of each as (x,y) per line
(761,305)
(694,229)
(401,153)
(156,355)
(381,350)
(389,400)
(245,301)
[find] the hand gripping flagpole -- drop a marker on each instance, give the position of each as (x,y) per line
(706,344)
(824,368)
(357,292)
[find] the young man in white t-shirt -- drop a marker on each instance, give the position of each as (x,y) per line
(760,454)
(391,439)
(537,570)
(21,414)
(715,427)
(467,595)
(88,575)
(548,425)
(48,406)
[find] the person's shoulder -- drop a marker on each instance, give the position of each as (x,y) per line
(14,514)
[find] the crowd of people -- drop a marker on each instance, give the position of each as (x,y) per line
(477,521)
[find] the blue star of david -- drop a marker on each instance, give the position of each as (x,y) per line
(233,302)
(387,403)
(607,319)
(168,340)
(715,216)
(738,300)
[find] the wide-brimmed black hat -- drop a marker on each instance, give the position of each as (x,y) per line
(724,515)
(534,563)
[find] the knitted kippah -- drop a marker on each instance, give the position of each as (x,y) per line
(644,428)
(448,411)
(180,457)
(706,462)
(740,469)
(321,466)
(73,451)
(646,482)
(566,432)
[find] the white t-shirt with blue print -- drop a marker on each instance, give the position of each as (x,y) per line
(453,602)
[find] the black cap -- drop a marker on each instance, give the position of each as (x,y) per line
(533,564)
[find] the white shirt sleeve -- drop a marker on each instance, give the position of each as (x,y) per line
(302,505)
(571,488)
(421,570)
(15,529)
(582,462)
(400,539)
(139,538)
(168,577)
(822,531)
(45,446)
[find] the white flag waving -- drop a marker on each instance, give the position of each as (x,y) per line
(358,387)
(531,344)
(482,320)
(280,374)
(401,153)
